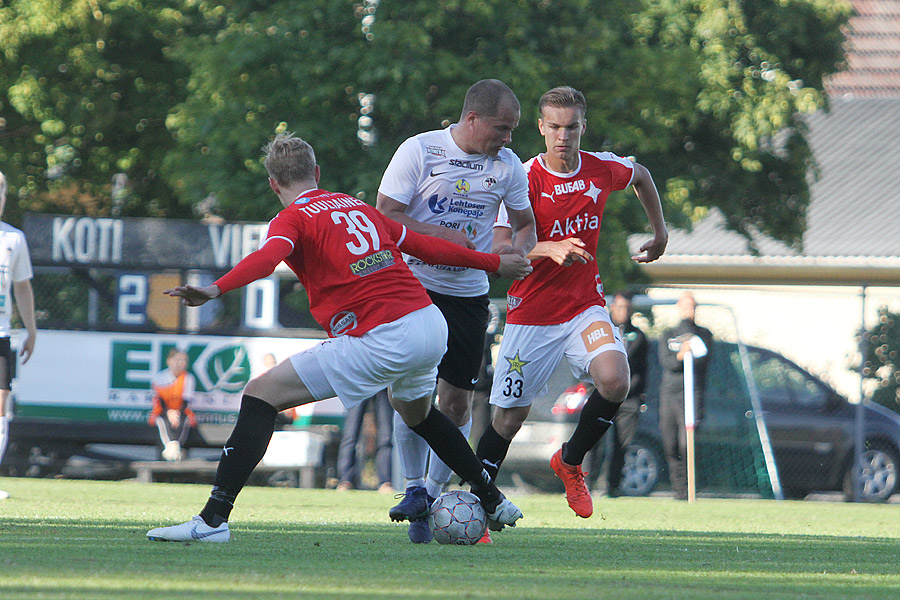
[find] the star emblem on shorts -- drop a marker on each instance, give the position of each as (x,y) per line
(516,364)
(593,192)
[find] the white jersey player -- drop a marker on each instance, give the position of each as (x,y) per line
(15,280)
(450,184)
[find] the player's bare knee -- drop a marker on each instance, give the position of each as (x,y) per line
(508,421)
(614,389)
(457,406)
(413,412)
(260,390)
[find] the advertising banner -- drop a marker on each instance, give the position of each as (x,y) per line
(104,376)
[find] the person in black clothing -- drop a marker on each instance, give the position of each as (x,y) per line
(671,390)
(348,464)
(625,421)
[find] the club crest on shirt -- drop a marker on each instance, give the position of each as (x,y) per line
(512,302)
(489,182)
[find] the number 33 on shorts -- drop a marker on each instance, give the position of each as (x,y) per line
(513,381)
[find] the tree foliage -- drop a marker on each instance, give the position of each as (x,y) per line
(181,94)
(87,86)
(881,358)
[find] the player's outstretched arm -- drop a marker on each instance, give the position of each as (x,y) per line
(649,196)
(396,211)
(255,265)
(437,251)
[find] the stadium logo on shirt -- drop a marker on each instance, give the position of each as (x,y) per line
(461,187)
(489,182)
(436,151)
(466,164)
(371,263)
(342,322)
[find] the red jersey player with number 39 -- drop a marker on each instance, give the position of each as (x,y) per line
(559,310)
(385,331)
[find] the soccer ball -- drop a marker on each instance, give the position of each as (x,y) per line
(457,517)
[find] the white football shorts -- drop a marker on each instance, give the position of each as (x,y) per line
(530,353)
(403,355)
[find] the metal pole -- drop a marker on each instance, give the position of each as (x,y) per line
(859,437)
(690,423)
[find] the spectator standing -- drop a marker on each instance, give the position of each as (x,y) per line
(673,347)
(348,465)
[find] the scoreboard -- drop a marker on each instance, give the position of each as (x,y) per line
(146,256)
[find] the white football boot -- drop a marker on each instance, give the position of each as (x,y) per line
(506,513)
(195,530)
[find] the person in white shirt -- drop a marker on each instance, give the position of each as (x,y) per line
(15,282)
(450,183)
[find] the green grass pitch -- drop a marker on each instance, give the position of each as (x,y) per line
(86,540)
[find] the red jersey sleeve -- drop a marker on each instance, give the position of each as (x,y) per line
(256,265)
(436,251)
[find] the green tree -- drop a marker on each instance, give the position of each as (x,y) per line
(263,68)
(85,88)
(881,358)
(180,94)
(707,93)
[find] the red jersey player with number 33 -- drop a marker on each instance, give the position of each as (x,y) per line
(559,310)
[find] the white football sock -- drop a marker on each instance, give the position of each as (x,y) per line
(412,451)
(4,435)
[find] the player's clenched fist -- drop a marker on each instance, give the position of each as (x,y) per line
(514,266)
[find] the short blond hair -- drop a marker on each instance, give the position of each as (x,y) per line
(563,97)
(289,159)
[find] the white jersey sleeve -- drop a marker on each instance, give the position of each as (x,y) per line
(502,218)
(516,196)
(403,174)
(21,262)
